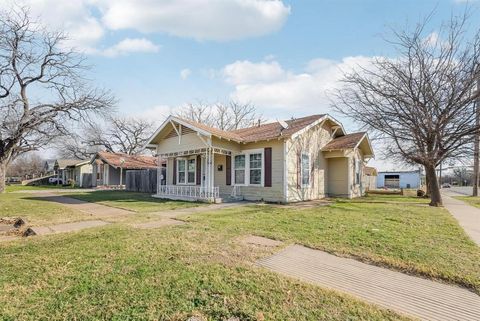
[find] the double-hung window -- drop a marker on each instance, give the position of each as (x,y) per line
(358,168)
(305,170)
(239,168)
(256,169)
(186,171)
(248,168)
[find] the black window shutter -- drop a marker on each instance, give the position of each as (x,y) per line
(228,169)
(268,167)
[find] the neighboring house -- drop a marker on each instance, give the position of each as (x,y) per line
(299,159)
(399,179)
(72,170)
(49,167)
(370,178)
(109,169)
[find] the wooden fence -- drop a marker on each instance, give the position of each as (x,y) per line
(144,180)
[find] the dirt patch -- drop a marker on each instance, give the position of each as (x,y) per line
(260,241)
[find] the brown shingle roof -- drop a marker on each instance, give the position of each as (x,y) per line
(213,130)
(344,142)
(275,130)
(130,161)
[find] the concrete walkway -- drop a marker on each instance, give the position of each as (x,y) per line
(93,209)
(412,296)
(467,216)
(67,227)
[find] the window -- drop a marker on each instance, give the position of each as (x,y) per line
(358,167)
(186,171)
(305,170)
(239,168)
(256,169)
(248,168)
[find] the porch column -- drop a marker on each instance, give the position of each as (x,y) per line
(209,172)
(159,173)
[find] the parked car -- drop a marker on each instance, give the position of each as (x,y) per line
(55,180)
(446,185)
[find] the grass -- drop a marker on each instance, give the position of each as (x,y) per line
(36,211)
(19,187)
(138,202)
(472,200)
(407,236)
(118,273)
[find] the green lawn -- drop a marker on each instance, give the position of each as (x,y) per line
(119,273)
(171,273)
(413,238)
(138,202)
(19,187)
(472,200)
(36,211)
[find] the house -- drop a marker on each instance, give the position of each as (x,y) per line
(370,178)
(109,169)
(72,170)
(286,161)
(399,179)
(48,167)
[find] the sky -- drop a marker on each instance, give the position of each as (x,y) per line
(285,57)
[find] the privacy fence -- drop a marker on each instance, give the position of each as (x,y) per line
(144,180)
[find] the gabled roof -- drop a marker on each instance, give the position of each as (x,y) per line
(126,161)
(370,171)
(350,141)
(268,131)
(63,163)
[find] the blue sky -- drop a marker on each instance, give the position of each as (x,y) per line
(283,56)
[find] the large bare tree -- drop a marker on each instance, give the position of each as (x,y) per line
(226,116)
(116,134)
(422,101)
(42,86)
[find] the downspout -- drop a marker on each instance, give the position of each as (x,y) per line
(285,170)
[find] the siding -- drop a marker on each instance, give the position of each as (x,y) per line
(188,141)
(310,142)
(338,182)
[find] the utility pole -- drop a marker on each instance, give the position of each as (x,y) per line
(476,143)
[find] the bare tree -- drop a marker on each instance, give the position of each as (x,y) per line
(117,134)
(225,116)
(26,166)
(42,86)
(421,101)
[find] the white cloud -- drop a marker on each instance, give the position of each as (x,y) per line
(185,73)
(269,85)
(129,45)
(199,19)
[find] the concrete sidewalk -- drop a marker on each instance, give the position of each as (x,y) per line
(467,216)
(409,295)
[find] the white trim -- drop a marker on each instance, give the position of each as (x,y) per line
(309,170)
(369,144)
(315,123)
(186,159)
(247,154)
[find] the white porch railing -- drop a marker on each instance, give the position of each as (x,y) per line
(189,191)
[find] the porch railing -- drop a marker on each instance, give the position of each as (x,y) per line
(189,191)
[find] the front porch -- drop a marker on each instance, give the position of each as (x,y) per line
(202,174)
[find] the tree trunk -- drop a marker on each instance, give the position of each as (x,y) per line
(3,176)
(434,189)
(476,148)
(427,184)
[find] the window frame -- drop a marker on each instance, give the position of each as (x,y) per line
(309,169)
(186,171)
(247,154)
